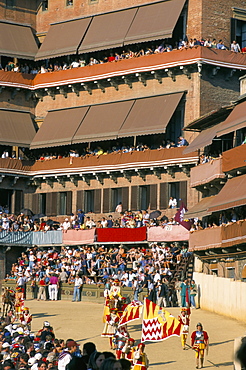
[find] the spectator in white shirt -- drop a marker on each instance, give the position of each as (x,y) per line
(172,202)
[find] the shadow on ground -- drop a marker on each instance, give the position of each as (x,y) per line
(218,343)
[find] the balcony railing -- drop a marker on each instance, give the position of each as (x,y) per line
(234,159)
(224,236)
(169,233)
(22,238)
(206,173)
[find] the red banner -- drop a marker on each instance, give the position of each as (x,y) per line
(121,235)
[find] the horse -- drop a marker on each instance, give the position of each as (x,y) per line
(8,300)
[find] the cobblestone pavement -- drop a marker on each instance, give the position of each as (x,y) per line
(82,321)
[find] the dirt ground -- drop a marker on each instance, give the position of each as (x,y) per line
(82,321)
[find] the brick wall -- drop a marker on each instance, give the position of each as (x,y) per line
(24,12)
(208,18)
(58,11)
(19,102)
(192,194)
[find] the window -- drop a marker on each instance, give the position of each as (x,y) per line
(143,197)
(214,272)
(116,198)
(173,190)
(231,272)
(238,27)
(42,203)
(45,5)
(69,2)
(63,204)
(93,1)
(89,201)
(10,3)
(176,124)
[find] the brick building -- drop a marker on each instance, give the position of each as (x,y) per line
(149,100)
(220,179)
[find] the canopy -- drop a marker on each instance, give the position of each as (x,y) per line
(103,122)
(16,128)
(235,121)
(59,127)
(231,195)
(106,121)
(200,210)
(150,115)
(155,21)
(17,41)
(107,30)
(63,38)
(205,138)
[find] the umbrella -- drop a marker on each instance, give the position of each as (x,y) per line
(26,211)
(154,214)
(38,216)
(50,222)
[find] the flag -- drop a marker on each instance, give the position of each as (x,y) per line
(133,311)
(158,324)
(180,217)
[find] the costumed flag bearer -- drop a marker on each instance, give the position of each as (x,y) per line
(184,319)
(199,342)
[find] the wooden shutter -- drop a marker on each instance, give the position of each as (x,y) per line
(28,200)
(51,204)
(125,198)
(69,202)
(233,29)
(97,200)
(134,198)
(183,191)
(35,203)
(81,200)
(153,197)
(106,197)
(54,204)
(18,201)
(163,195)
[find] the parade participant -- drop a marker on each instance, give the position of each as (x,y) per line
(140,359)
(184,319)
(110,326)
(199,342)
(19,301)
(114,293)
(120,337)
(26,318)
(128,350)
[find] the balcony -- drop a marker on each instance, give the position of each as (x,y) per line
(157,65)
(120,164)
(207,173)
(22,238)
(169,233)
(234,160)
(227,238)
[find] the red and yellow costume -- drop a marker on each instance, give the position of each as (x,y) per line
(19,301)
(140,359)
(184,319)
(199,342)
(26,318)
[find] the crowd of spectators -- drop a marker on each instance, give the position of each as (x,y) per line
(225,218)
(98,151)
(80,221)
(117,55)
(22,349)
(135,268)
